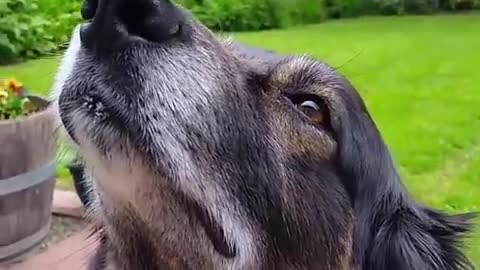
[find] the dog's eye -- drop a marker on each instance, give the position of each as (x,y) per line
(313,110)
(312,106)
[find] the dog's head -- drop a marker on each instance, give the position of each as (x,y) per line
(207,156)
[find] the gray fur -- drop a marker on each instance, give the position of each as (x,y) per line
(198,158)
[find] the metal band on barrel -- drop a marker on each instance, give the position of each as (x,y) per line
(28,179)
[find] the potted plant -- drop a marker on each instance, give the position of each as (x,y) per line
(27,169)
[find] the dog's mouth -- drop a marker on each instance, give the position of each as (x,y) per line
(89,116)
(92,109)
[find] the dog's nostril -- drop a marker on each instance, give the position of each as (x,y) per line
(153,20)
(89,8)
(116,22)
(156,29)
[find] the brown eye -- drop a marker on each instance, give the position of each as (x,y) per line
(313,110)
(312,106)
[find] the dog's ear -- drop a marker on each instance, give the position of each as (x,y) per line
(392,232)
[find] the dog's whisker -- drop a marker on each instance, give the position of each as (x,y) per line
(87,247)
(349,60)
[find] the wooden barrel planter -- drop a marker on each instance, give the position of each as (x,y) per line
(27,180)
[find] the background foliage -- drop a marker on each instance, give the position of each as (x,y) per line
(31,28)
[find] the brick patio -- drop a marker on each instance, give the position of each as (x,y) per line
(71,253)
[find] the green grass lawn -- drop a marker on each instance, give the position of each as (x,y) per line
(420,79)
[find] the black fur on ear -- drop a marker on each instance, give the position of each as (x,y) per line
(392,231)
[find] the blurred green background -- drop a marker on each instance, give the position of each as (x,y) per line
(415,62)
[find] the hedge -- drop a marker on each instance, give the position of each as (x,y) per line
(31,28)
(251,15)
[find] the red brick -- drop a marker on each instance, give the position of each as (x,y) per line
(72,254)
(67,203)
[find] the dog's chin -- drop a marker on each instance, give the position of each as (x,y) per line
(74,131)
(79,123)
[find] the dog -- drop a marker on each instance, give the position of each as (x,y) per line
(204,154)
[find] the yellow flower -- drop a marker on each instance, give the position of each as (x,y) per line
(13,84)
(3,95)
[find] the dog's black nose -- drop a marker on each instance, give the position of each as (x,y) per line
(111,20)
(89,7)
